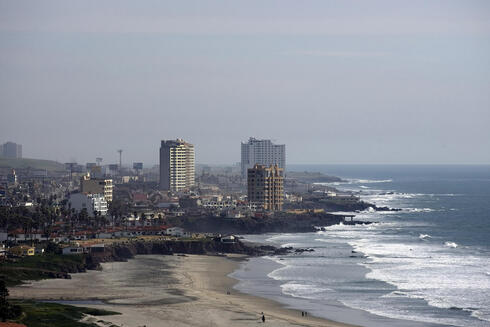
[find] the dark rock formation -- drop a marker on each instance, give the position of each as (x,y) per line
(127,250)
(279,223)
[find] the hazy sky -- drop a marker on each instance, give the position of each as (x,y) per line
(336,81)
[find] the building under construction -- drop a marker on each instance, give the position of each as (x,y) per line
(265,187)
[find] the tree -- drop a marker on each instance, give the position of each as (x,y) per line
(7,311)
(4,305)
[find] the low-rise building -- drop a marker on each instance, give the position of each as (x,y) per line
(22,250)
(218,204)
(176,231)
(72,250)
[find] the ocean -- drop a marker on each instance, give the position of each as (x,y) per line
(427,265)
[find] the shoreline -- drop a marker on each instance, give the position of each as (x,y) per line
(190,290)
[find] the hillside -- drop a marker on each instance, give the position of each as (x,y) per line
(310,177)
(31,163)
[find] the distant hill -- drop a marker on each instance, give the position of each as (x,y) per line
(31,163)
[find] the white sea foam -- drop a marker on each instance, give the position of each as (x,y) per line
(420,270)
(451,244)
(368,181)
(481,314)
(357,181)
(417,265)
(303,290)
(419,209)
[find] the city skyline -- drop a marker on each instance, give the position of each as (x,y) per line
(375,82)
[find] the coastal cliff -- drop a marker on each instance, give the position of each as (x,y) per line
(127,250)
(48,266)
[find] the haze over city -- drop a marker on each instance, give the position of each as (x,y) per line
(234,163)
(337,82)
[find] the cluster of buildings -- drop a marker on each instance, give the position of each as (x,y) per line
(143,206)
(94,196)
(262,165)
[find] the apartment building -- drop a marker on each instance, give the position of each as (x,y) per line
(177,165)
(102,186)
(262,152)
(11,150)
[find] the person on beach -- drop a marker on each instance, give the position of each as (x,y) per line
(263,318)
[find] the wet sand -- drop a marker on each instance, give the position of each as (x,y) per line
(156,290)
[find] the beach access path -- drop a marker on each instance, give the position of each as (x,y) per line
(158,290)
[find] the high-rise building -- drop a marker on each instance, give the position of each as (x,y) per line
(265,187)
(262,152)
(177,165)
(11,150)
(102,186)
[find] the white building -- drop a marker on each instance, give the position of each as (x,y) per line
(72,250)
(176,231)
(177,165)
(91,185)
(262,152)
(91,202)
(216,204)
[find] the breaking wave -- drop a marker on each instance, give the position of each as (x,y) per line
(451,244)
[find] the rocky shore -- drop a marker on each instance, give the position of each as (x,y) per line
(279,223)
(60,266)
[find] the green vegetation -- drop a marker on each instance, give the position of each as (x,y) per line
(311,177)
(43,314)
(40,267)
(7,310)
(31,163)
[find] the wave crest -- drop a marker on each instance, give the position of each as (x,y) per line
(451,244)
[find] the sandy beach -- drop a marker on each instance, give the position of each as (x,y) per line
(156,290)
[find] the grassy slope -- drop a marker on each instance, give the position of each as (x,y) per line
(38,267)
(31,163)
(41,314)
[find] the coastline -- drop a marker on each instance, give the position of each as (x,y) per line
(192,290)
